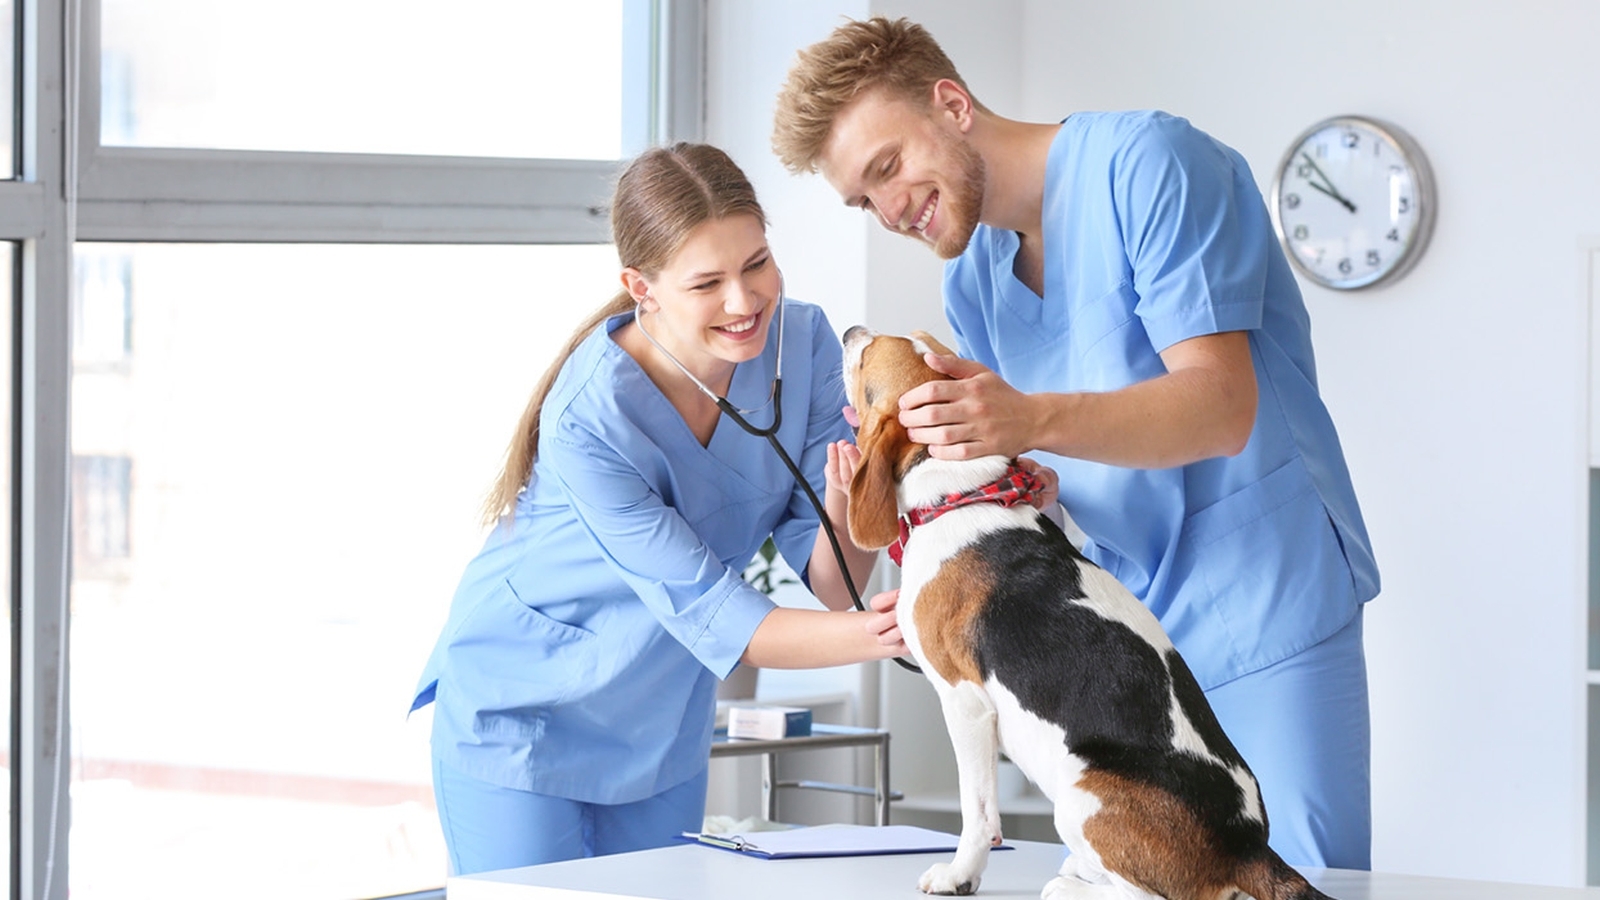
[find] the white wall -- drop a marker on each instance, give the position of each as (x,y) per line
(1460,392)
(750,45)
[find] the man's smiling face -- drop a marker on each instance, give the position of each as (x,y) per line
(910,167)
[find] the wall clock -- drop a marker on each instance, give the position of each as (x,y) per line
(1353,202)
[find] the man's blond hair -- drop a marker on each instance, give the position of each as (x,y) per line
(898,56)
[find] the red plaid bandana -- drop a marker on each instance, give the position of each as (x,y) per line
(1017,485)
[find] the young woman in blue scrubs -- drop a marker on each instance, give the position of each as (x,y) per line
(1122,305)
(574,682)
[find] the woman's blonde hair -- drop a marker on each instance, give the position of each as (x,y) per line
(661,196)
(896,55)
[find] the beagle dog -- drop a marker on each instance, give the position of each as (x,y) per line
(1036,651)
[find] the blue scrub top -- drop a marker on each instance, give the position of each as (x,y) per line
(583,647)
(1155,233)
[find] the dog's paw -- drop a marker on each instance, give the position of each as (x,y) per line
(943,878)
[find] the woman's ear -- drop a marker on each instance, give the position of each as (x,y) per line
(874,513)
(634,283)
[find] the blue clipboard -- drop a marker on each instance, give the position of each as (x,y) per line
(832,840)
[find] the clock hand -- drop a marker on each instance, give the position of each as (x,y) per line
(1334,194)
(1327,183)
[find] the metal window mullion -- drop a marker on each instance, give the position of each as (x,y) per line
(231,196)
(680,74)
(42,423)
(145,173)
(22,210)
(34,211)
(345,223)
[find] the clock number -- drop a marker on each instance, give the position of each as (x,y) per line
(1345,266)
(1403,205)
(1373,259)
(1301,232)
(1351,140)
(1393,235)
(1304,171)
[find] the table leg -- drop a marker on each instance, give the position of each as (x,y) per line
(769,786)
(881,752)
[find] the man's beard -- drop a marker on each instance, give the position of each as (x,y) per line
(965,206)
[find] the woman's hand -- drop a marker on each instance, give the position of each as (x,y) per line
(1046,496)
(884,621)
(826,580)
(843,458)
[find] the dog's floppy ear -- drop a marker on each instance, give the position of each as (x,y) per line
(933,343)
(874,514)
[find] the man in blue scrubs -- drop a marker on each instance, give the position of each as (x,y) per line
(1125,313)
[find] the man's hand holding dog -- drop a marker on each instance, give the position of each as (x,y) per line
(977,414)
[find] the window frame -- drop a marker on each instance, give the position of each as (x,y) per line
(163,195)
(169,194)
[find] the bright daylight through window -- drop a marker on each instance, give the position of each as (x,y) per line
(282,426)
(518,78)
(276,487)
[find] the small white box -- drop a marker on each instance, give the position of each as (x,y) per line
(768,723)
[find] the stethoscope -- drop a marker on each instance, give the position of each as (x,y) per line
(775,400)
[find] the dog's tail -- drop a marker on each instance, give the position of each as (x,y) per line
(1268,877)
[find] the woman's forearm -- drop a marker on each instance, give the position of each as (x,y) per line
(813,638)
(827,582)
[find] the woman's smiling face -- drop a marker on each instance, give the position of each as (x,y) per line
(712,304)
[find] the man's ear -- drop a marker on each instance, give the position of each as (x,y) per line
(933,343)
(951,99)
(874,514)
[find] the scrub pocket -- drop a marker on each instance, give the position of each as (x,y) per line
(514,661)
(1274,569)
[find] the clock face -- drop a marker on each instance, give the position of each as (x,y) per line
(1353,202)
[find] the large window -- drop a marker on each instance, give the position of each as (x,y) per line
(298,442)
(519,78)
(285,275)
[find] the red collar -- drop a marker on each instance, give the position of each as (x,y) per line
(1017,485)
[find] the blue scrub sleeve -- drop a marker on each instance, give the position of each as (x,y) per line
(958,290)
(1189,228)
(796,533)
(706,606)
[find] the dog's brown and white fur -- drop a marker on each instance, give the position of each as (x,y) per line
(1035,650)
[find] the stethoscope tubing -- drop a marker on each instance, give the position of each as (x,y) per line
(822,513)
(771,434)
